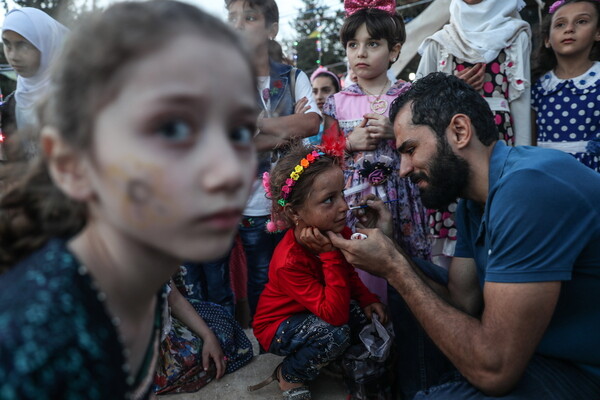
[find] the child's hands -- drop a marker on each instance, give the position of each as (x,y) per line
(315,240)
(360,139)
(379,309)
(474,75)
(379,126)
(212,349)
(301,106)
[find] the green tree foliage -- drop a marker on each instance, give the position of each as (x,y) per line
(315,18)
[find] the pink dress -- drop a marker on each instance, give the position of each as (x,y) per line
(377,172)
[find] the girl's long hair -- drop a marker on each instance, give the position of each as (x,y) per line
(88,76)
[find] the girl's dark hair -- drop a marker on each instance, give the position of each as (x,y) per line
(268,8)
(335,83)
(543,58)
(301,190)
(90,73)
(380,25)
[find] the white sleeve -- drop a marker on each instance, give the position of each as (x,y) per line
(304,89)
(520,108)
(429,60)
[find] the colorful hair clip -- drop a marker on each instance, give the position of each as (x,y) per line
(266,183)
(352,6)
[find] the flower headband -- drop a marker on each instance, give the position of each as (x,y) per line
(352,6)
(556,5)
(333,143)
(286,189)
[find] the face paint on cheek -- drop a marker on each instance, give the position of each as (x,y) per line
(138,191)
(143,200)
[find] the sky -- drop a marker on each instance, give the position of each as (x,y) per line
(288,11)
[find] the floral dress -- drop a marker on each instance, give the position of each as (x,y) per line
(377,172)
(568,114)
(57,338)
(180,367)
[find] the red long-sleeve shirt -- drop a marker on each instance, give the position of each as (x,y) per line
(300,282)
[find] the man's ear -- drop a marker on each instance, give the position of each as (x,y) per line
(460,131)
(65,165)
(273,30)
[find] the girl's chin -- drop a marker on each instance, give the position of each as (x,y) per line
(338,229)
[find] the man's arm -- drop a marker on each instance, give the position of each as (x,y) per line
(493,351)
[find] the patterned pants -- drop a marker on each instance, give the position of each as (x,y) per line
(309,343)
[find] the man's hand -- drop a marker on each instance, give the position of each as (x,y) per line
(376,215)
(314,240)
(376,254)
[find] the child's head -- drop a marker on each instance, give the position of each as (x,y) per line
(315,198)
(143,134)
(257,19)
(570,27)
(368,30)
(31,39)
(324,83)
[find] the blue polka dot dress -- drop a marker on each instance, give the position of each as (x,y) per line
(568,114)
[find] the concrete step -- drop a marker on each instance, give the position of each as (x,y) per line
(234,386)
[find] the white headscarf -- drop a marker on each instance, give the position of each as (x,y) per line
(48,36)
(478,32)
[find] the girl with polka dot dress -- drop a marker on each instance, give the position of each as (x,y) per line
(566,99)
(486,44)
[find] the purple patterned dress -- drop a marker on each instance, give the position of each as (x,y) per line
(377,172)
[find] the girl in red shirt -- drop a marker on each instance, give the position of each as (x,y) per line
(305,313)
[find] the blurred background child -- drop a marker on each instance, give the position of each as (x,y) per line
(324,84)
(567,88)
(32,41)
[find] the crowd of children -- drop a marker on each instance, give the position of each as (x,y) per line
(135,182)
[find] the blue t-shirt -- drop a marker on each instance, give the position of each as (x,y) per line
(541,222)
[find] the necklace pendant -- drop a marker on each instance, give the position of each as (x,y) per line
(379,106)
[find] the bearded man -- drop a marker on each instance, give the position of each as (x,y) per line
(519,316)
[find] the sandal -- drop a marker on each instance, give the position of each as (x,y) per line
(299,393)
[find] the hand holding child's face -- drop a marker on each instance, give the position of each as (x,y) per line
(316,241)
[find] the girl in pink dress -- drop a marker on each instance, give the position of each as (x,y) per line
(373,37)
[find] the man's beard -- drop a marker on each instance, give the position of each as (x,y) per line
(447,179)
